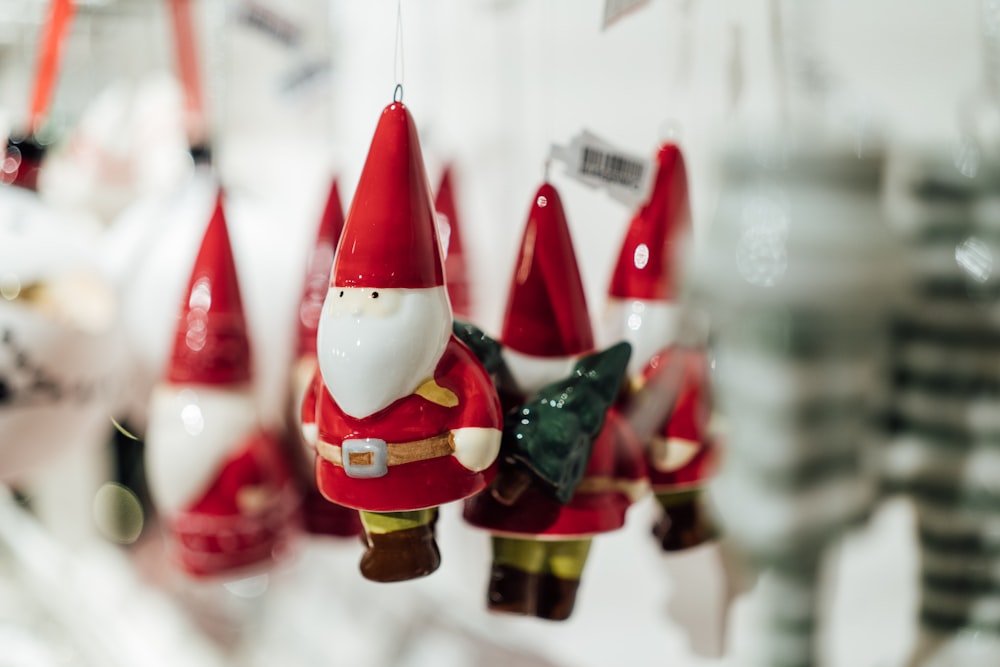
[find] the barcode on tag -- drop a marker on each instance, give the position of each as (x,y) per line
(616,9)
(598,164)
(612,168)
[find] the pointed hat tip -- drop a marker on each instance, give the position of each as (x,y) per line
(390,227)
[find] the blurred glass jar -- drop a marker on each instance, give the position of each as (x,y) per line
(798,275)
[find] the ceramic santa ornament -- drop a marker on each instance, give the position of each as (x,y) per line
(405,417)
(542,532)
(642,309)
(320,516)
(455,272)
(218,480)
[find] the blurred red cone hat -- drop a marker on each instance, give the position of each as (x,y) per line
(647,263)
(211,345)
(546,307)
(318,272)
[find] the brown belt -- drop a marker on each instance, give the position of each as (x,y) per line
(397,453)
(633,488)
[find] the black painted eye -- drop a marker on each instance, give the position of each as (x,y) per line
(341,292)
(374,295)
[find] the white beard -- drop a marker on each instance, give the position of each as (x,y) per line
(648,326)
(369,362)
(531,373)
(192,430)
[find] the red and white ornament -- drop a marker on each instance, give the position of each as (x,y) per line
(668,384)
(218,479)
(642,296)
(546,329)
(319,515)
(406,417)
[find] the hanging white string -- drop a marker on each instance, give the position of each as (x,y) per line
(735,68)
(990,30)
(398,70)
(778,59)
(680,78)
(801,75)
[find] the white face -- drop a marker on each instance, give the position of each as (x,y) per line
(531,373)
(191,432)
(648,326)
(376,346)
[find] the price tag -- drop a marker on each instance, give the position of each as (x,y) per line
(616,9)
(598,164)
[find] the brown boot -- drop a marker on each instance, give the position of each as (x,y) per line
(512,591)
(400,555)
(556,598)
(683,526)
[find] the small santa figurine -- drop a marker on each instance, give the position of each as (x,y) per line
(642,309)
(320,516)
(403,416)
(454,263)
(218,479)
(541,542)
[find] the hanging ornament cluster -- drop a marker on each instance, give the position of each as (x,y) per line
(406,411)
(547,438)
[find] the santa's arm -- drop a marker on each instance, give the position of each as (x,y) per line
(631,472)
(476,448)
(686,431)
(477,431)
(310,431)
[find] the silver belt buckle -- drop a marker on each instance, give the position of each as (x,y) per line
(364,457)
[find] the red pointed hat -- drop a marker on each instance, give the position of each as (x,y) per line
(647,263)
(546,308)
(211,345)
(454,264)
(390,237)
(318,272)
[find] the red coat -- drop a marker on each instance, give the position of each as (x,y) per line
(685,423)
(418,484)
(616,467)
(247,516)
